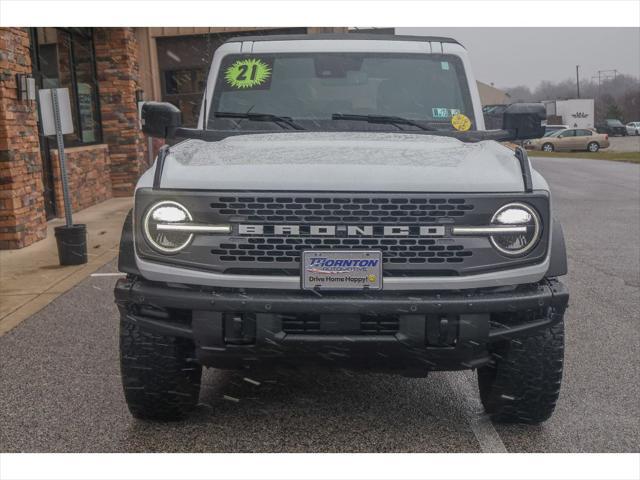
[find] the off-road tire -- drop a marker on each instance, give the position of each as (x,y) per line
(522,383)
(160,377)
(593,147)
(548,147)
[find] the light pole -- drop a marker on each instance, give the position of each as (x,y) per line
(578,79)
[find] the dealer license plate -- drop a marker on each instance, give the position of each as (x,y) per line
(341,270)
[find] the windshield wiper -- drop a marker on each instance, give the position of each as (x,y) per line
(261,117)
(391,120)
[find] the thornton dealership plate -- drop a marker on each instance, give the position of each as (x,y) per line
(341,270)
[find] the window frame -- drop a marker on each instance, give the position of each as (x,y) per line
(572,132)
(74,34)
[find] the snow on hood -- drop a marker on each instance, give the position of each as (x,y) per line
(342,161)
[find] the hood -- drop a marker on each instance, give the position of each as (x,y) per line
(342,161)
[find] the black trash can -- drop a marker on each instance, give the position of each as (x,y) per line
(72,244)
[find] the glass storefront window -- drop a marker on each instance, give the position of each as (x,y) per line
(64,58)
(86,86)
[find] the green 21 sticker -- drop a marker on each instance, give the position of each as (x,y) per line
(247,73)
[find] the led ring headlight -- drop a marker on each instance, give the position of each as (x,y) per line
(518,215)
(164,240)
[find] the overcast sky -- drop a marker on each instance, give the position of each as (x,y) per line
(526,56)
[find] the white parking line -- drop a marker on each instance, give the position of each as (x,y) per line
(108,274)
(485,433)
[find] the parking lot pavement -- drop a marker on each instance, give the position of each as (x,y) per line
(30,278)
(60,388)
(630,143)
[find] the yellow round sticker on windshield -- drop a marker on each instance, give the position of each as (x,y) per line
(461,122)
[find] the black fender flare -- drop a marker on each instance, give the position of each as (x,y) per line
(558,257)
(126,255)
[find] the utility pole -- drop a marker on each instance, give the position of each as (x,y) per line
(578,79)
(604,75)
(598,77)
(607,75)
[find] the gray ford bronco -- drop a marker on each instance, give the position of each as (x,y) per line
(341,203)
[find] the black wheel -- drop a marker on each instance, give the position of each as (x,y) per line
(548,147)
(523,383)
(160,377)
(593,147)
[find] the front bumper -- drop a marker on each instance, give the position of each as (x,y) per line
(429,331)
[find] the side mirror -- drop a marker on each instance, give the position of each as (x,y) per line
(524,121)
(160,119)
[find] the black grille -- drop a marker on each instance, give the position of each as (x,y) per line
(391,209)
(395,250)
(403,255)
(369,325)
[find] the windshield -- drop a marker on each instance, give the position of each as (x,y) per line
(317,90)
(615,123)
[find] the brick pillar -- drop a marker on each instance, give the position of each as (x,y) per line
(118,79)
(22,215)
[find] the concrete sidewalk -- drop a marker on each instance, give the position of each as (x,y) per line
(32,277)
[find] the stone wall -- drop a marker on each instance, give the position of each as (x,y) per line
(88,174)
(118,80)
(22,215)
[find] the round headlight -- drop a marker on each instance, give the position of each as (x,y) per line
(163,214)
(523,218)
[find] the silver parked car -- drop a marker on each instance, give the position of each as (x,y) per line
(633,128)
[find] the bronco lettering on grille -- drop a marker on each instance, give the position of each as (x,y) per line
(343,230)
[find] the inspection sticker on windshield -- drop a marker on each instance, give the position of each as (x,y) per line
(341,270)
(248,73)
(440,113)
(461,122)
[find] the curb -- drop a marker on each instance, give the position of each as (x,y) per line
(33,306)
